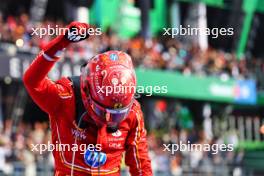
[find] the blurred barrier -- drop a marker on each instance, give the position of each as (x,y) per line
(202,88)
(191,87)
(253,160)
(15,65)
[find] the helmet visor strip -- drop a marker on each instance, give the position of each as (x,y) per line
(111,115)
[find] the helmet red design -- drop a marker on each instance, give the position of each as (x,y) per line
(108,85)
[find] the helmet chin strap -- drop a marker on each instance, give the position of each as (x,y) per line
(112,127)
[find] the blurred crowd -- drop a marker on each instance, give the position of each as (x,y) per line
(154,53)
(190,162)
(16,143)
(177,126)
(16,155)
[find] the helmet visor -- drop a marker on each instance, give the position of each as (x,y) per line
(110,115)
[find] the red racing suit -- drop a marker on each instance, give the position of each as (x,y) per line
(58,100)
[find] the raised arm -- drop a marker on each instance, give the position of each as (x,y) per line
(46,93)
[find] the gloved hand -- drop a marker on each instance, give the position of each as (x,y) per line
(74,32)
(77,32)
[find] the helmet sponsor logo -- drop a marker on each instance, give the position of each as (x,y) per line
(94,158)
(118,105)
(123,80)
(97,68)
(114,57)
(114,81)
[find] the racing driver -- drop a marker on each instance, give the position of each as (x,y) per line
(86,110)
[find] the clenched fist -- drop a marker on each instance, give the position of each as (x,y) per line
(75,32)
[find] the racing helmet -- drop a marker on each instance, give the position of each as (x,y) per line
(108,85)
